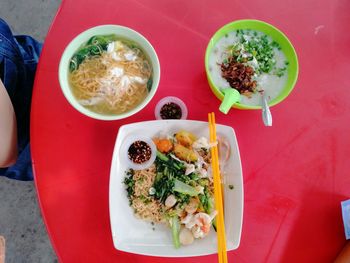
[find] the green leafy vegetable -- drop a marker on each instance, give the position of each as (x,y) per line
(279,72)
(203,182)
(93,47)
(167,170)
(129,183)
(101,41)
(182,198)
(183,188)
(175,230)
(162,157)
(259,47)
(171,179)
(213,223)
(149,84)
(207,201)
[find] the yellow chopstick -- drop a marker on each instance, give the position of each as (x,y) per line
(218,194)
(216,190)
(221,236)
(216,155)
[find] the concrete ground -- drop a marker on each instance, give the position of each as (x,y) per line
(20,219)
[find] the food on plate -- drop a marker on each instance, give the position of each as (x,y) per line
(184,153)
(110,75)
(185,138)
(177,189)
(250,62)
(163,145)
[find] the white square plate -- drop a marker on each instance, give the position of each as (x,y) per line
(137,236)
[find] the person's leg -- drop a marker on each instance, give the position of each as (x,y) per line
(2,249)
(18,60)
(8,130)
(344,255)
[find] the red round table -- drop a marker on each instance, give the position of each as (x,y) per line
(295,173)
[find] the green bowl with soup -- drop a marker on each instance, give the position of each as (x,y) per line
(109,72)
(251,57)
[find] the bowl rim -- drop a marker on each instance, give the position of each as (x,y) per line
(169,99)
(294,56)
(83,37)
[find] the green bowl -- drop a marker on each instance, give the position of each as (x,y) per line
(277,36)
(124,33)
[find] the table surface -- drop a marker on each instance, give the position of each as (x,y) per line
(295,173)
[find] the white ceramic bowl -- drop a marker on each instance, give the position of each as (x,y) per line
(125,33)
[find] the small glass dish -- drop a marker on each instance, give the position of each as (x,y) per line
(170,101)
(124,152)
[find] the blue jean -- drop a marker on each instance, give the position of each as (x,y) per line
(19,57)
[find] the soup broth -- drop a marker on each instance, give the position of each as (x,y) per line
(110,75)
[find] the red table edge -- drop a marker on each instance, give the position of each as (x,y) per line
(32,137)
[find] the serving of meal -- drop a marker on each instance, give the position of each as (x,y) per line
(110,75)
(177,189)
(250,62)
(255,60)
(109,72)
(169,203)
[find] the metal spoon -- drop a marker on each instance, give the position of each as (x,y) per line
(266,113)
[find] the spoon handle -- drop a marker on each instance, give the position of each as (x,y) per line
(266,113)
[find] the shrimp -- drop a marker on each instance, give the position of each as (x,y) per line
(202,225)
(199,223)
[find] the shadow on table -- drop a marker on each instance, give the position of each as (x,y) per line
(318,231)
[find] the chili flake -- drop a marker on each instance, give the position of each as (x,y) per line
(170,110)
(139,152)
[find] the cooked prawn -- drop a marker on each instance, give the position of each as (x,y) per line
(202,225)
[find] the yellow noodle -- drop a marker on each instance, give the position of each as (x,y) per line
(107,93)
(145,206)
(144,180)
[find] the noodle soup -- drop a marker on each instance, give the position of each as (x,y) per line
(110,75)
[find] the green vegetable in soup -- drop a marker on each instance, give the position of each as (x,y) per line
(101,41)
(149,84)
(93,47)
